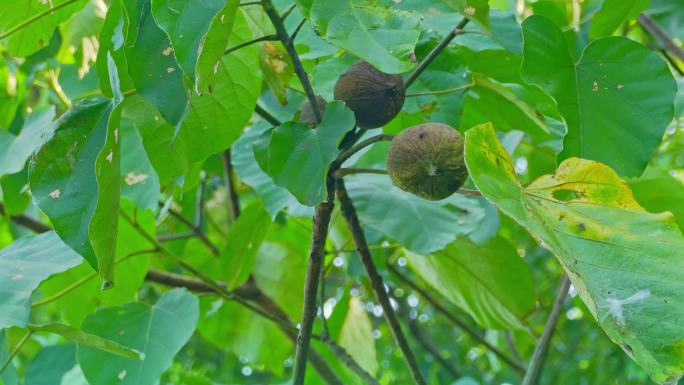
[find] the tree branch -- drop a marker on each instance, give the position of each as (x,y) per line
(349,213)
(539,356)
(266,115)
(28,222)
(321,221)
(250,42)
(354,149)
(292,52)
(196,230)
(659,33)
(349,171)
(457,321)
(436,51)
(267,308)
(35,18)
(430,346)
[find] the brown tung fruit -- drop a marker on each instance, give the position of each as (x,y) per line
(306,114)
(427,160)
(374,96)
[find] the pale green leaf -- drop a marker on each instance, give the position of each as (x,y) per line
(475,10)
(490,282)
(15,150)
(86,339)
(214,44)
(157,331)
(51,364)
(23,266)
(612,14)
(357,338)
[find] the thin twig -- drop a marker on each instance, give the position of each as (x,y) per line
(351,170)
(510,341)
(292,52)
(457,321)
(85,279)
(659,33)
(196,229)
(229,174)
(349,213)
(296,31)
(321,221)
(250,3)
(250,42)
(465,191)
(174,237)
(28,222)
(34,18)
(360,146)
(441,92)
(287,12)
(672,62)
(430,346)
(251,292)
(539,356)
(16,350)
(436,51)
(266,115)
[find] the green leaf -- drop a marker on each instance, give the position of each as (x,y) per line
(298,158)
(74,178)
(357,338)
(186,23)
(417,224)
(625,263)
(511,113)
(36,35)
(51,364)
(151,65)
(24,265)
(214,44)
(475,10)
(490,282)
(274,198)
(9,375)
(216,118)
(158,332)
(381,36)
(612,14)
(247,234)
(616,99)
(112,38)
(86,339)
(140,182)
(658,191)
(15,150)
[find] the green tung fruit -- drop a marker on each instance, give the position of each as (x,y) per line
(427,160)
(374,96)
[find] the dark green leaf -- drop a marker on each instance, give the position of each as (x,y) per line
(298,158)
(617,99)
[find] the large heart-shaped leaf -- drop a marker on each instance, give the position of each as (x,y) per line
(298,158)
(74,178)
(625,262)
(490,282)
(381,36)
(617,99)
(158,332)
(23,266)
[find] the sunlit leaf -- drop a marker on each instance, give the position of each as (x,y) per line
(624,262)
